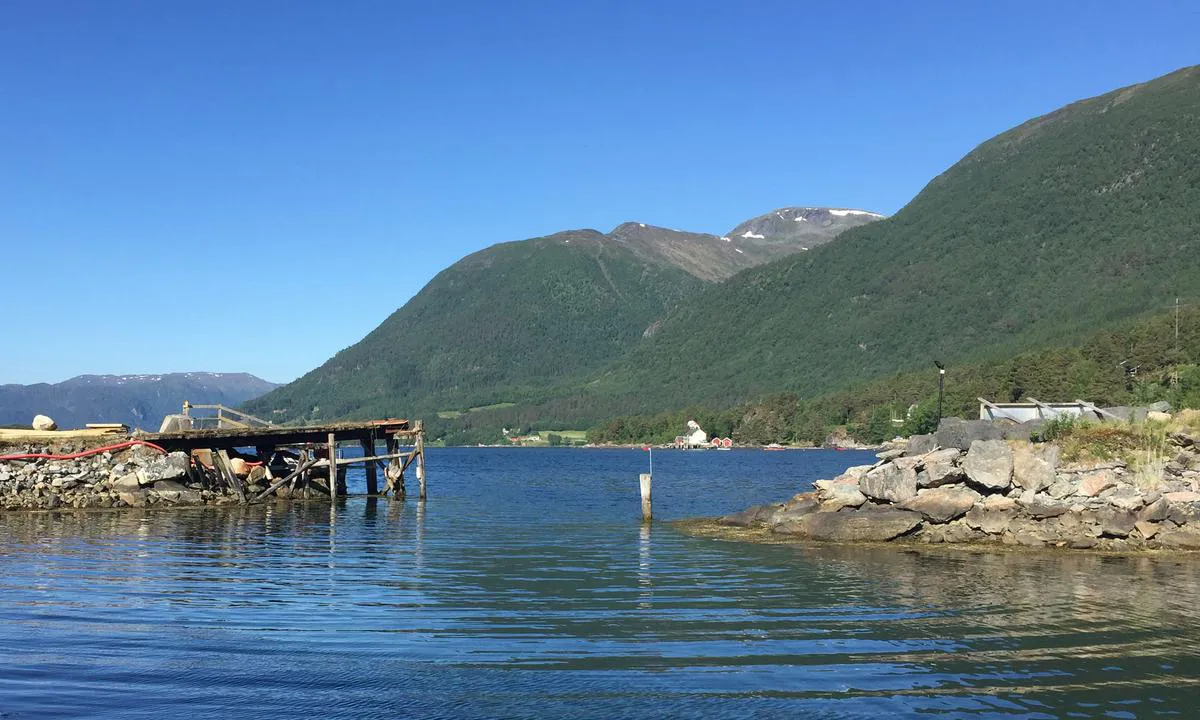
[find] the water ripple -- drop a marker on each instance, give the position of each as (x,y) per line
(506,608)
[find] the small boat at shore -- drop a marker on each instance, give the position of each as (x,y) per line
(774,446)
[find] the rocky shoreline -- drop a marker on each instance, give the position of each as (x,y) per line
(136,476)
(968,484)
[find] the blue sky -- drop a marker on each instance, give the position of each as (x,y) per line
(252,186)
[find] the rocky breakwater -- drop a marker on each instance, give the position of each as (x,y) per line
(137,476)
(996,490)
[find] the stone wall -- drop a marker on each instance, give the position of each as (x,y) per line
(134,477)
(998,491)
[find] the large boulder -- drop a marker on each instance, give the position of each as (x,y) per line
(890,482)
(1034,466)
(955,432)
(941,468)
(989,464)
(43,422)
(942,504)
(920,445)
(841,495)
(166,467)
(870,524)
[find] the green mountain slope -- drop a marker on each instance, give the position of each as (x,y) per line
(523,322)
(1063,225)
(496,327)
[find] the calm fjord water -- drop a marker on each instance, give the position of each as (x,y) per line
(527,587)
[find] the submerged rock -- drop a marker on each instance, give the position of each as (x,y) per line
(869,524)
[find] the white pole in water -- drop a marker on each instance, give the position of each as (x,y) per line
(645,478)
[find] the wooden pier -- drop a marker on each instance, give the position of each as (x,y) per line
(246,453)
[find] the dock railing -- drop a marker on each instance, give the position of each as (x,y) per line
(225,417)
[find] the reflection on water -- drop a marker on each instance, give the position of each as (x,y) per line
(490,601)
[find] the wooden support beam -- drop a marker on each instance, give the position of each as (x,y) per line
(223,467)
(368,448)
(303,466)
(375,458)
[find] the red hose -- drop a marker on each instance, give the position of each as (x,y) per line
(85,453)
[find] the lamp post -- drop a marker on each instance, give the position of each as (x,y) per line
(941,386)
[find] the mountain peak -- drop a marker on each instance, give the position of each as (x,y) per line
(801,228)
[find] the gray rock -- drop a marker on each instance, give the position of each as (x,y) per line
(1146,528)
(800,504)
(1022,431)
(128,482)
(942,504)
(889,482)
(44,423)
(1183,513)
(1034,466)
(941,468)
(892,454)
(992,522)
(920,445)
(1063,486)
(989,464)
(1118,524)
(842,495)
(1029,533)
(1125,497)
(173,492)
(1042,506)
(1179,538)
(167,467)
(1156,511)
(955,432)
(749,517)
(133,498)
(870,524)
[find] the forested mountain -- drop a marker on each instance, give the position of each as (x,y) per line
(139,401)
(1137,362)
(524,321)
(1064,225)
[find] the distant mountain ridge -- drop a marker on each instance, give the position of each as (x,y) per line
(1064,225)
(139,401)
(513,321)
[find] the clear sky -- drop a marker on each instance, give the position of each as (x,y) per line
(252,186)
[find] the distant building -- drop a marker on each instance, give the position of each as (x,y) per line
(695,438)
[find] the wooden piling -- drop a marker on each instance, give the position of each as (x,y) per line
(420,453)
(644,480)
(368,448)
(332,467)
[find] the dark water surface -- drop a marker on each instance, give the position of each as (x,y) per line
(527,587)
